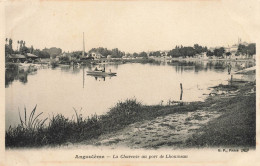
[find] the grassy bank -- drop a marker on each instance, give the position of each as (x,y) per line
(236,127)
(33,132)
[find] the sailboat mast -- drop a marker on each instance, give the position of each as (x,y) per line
(83,52)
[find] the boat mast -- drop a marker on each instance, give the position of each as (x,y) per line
(83,52)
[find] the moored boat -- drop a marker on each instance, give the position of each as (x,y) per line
(100,73)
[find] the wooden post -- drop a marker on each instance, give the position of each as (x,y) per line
(231,79)
(181,91)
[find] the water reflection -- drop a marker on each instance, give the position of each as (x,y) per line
(16,72)
(217,66)
(59,90)
(13,73)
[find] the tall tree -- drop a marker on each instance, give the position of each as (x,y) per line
(31,49)
(18,45)
(251,49)
(21,45)
(11,43)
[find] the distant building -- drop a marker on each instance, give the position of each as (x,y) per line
(96,55)
(163,53)
(202,55)
(16,58)
(109,56)
(32,56)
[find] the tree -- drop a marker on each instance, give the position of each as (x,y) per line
(31,49)
(218,52)
(246,50)
(241,49)
(11,43)
(24,50)
(116,53)
(21,45)
(189,51)
(41,54)
(8,50)
(228,53)
(210,53)
(135,54)
(251,49)
(198,49)
(175,52)
(128,54)
(143,54)
(8,47)
(18,45)
(53,51)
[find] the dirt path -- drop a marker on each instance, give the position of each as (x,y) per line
(170,131)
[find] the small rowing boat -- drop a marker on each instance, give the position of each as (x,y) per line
(100,73)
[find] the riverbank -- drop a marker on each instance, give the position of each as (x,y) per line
(131,124)
(225,119)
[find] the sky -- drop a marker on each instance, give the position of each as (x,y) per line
(130,26)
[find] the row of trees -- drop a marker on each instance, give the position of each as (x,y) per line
(180,51)
(218,52)
(250,50)
(23,49)
(115,53)
(247,50)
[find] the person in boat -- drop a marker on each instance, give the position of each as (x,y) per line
(95,69)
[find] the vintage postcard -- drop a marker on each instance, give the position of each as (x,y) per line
(129,82)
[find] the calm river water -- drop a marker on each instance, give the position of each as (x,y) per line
(59,90)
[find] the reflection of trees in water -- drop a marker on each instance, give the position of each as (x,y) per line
(75,70)
(14,73)
(210,65)
(70,69)
(199,66)
(196,66)
(218,66)
(65,68)
(242,65)
(23,77)
(181,66)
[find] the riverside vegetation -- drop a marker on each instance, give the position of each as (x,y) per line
(235,127)
(61,129)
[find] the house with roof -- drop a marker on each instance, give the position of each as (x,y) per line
(202,55)
(96,55)
(16,58)
(31,57)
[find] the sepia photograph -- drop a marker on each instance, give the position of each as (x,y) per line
(129,80)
